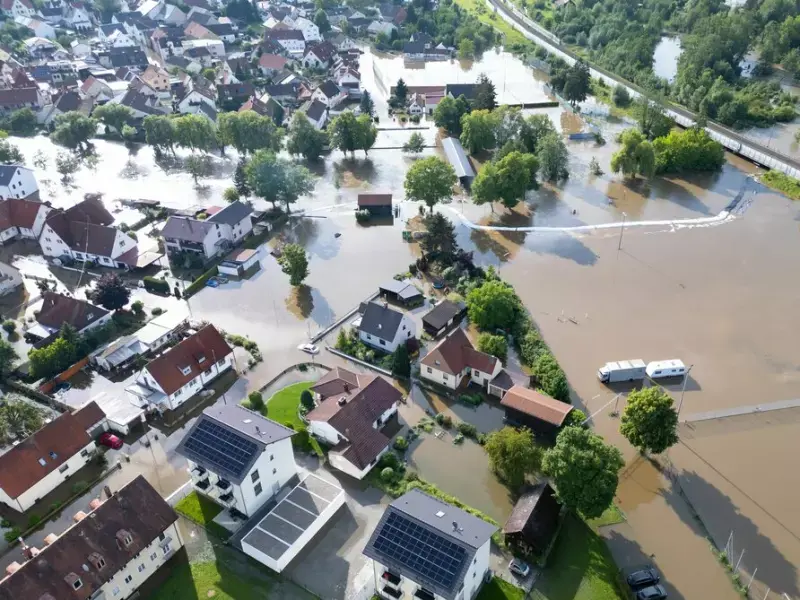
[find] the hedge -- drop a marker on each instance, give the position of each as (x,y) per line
(199,283)
(153,284)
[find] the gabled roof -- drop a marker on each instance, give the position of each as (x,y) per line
(380,321)
(186,229)
(374,200)
(41,453)
(323,51)
(110,28)
(340,381)
(7,173)
(459,160)
(58,309)
(272,61)
(221,28)
(536,404)
(440,314)
(136,100)
(455,353)
(194,355)
(136,510)
(227,440)
(284,34)
(13,97)
(330,89)
(18,213)
(232,214)
(404,290)
(315,110)
(208,110)
(89,415)
(9,4)
(85,227)
(537,504)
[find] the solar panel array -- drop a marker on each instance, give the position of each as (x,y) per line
(433,557)
(225,452)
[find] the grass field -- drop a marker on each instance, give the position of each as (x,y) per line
(580,567)
(499,589)
(611,516)
(283,406)
(481,10)
(202,511)
(210,580)
(783,183)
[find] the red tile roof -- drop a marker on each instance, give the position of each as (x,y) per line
(272,61)
(15,212)
(89,415)
(198,352)
(455,352)
(374,200)
(54,444)
(536,404)
(85,227)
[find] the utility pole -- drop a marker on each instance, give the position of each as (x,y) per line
(683,388)
(621,230)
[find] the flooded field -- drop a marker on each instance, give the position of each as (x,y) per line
(665,58)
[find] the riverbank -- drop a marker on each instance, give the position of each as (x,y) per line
(782,183)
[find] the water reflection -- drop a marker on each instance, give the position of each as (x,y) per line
(665,57)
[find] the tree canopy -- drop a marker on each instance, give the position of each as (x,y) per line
(349,133)
(73,130)
(584,469)
(496,345)
(304,139)
(485,94)
(440,238)
(247,131)
(553,158)
(415,143)
(649,421)
(430,180)
(276,179)
(478,131)
(513,455)
(113,116)
(635,157)
(110,292)
(194,132)
(506,180)
(294,262)
(493,306)
(160,132)
(448,113)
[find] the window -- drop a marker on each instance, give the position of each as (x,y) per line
(63,468)
(271,457)
(444,377)
(42,462)
(77,584)
(221,362)
(254,477)
(122,242)
(383,342)
(274,471)
(116,590)
(161,537)
(430,370)
(258,489)
(153,556)
(47,239)
(141,567)
(129,578)
(185,370)
(84,452)
(53,454)
(166,549)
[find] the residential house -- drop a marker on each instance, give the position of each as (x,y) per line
(67,102)
(182,372)
(266,107)
(114,58)
(10,279)
(167,41)
(196,31)
(416,104)
(537,411)
(454,359)
(455,561)
(443,316)
(108,553)
(215,48)
(14,98)
(330,94)
(58,309)
(78,17)
(196,93)
(173,15)
(83,232)
(17,181)
(151,9)
(533,524)
(378,205)
(224,31)
(319,56)
(317,113)
(52,14)
(386,28)
(404,293)
(424,50)
(185,63)
(120,39)
(21,219)
(454,90)
(384,328)
(288,93)
(349,81)
(231,96)
(40,28)
(238,458)
(269,64)
(234,221)
(184,234)
(39,47)
(199,54)
(107,29)
(341,42)
(44,460)
(142,104)
(17,8)
(309,29)
(393,13)
(292,40)
(351,411)
(80,49)
(158,78)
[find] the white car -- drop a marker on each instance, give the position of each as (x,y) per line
(310,348)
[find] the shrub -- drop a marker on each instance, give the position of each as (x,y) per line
(138,308)
(307,399)
(414,118)
(575,418)
(152,284)
(363,215)
(79,486)
(459,439)
(387,474)
(468,430)
(390,459)
(157,311)
(12,534)
(301,441)
(288,424)
(621,97)
(256,401)
(531,346)
(412,268)
(471,399)
(5,523)
(33,521)
(9,326)
(55,506)
(400,443)
(444,420)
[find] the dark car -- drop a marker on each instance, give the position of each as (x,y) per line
(654,592)
(643,578)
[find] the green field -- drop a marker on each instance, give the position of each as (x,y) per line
(283,406)
(783,183)
(499,589)
(485,15)
(202,511)
(210,580)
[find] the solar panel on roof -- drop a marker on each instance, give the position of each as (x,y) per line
(223,450)
(431,556)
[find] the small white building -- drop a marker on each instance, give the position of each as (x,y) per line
(238,458)
(292,40)
(44,460)
(21,219)
(113,547)
(234,220)
(181,372)
(309,29)
(351,411)
(216,48)
(18,8)
(454,563)
(454,358)
(319,56)
(184,234)
(384,328)
(17,181)
(10,279)
(330,94)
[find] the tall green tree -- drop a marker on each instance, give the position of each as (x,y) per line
(401,362)
(277,179)
(247,131)
(550,377)
(584,469)
(578,80)
(23,122)
(321,21)
(367,105)
(493,344)
(113,116)
(440,238)
(73,130)
(294,262)
(240,178)
(650,421)
(110,292)
(8,358)
(513,455)
(485,94)
(401,91)
(415,143)
(448,113)
(344,133)
(198,166)
(534,130)
(304,139)
(195,133)
(635,157)
(160,133)
(493,305)
(429,180)
(553,158)
(10,154)
(478,131)
(689,150)
(653,123)
(507,180)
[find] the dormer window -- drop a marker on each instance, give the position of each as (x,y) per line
(42,462)
(97,560)
(124,537)
(74,581)
(185,370)
(201,359)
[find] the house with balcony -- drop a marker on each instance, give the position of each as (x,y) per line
(454,360)
(184,234)
(352,410)
(110,551)
(37,465)
(426,549)
(238,458)
(182,372)
(384,328)
(234,220)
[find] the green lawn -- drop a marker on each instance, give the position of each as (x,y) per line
(580,567)
(283,406)
(512,36)
(202,511)
(209,580)
(783,183)
(611,516)
(499,589)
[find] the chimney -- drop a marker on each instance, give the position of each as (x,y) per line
(258,431)
(95,503)
(455,525)
(79,516)
(346,387)
(13,568)
(107,491)
(342,401)
(51,537)
(30,552)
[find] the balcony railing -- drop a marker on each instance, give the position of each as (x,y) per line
(391,578)
(202,485)
(424,594)
(227,500)
(199,473)
(392,592)
(224,484)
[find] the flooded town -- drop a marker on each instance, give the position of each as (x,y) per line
(350,302)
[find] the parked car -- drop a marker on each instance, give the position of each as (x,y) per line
(654,592)
(310,348)
(110,440)
(643,578)
(519,568)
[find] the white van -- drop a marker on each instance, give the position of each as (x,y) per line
(665,368)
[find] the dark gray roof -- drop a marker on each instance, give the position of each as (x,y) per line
(381,321)
(403,289)
(110,28)
(221,28)
(449,536)
(208,110)
(316,109)
(138,101)
(232,214)
(329,88)
(440,314)
(186,229)
(461,89)
(228,440)
(7,172)
(457,157)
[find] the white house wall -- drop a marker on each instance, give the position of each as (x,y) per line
(339,462)
(122,244)
(324,431)
(278,457)
(436,376)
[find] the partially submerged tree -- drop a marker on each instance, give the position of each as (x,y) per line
(493,306)
(513,455)
(415,143)
(485,95)
(73,130)
(440,238)
(635,157)
(650,421)
(507,180)
(294,262)
(160,133)
(113,116)
(553,158)
(430,180)
(277,179)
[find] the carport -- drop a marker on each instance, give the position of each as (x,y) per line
(294,521)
